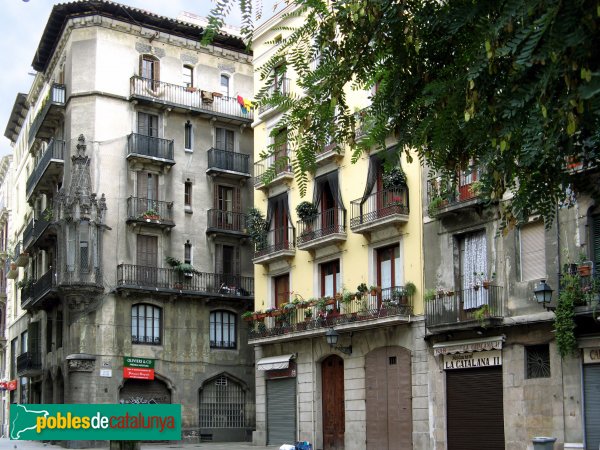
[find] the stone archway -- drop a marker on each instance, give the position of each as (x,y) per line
(144,392)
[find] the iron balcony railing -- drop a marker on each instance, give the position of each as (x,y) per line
(148,209)
(200,283)
(325,223)
(279,87)
(273,166)
(588,293)
(466,305)
(56,96)
(55,152)
(228,221)
(275,240)
(389,302)
(36,291)
(28,362)
(379,205)
(150,146)
(34,229)
(451,192)
(189,98)
(230,161)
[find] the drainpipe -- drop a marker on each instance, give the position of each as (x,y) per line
(312,404)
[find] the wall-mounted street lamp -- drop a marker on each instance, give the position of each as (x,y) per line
(332,337)
(543,293)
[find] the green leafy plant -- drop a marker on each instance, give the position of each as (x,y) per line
(393,178)
(564,320)
(257,228)
(362,289)
(181,268)
(482,313)
(434,205)
(307,211)
(410,288)
(308,313)
(429,295)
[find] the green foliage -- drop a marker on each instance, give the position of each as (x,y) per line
(410,288)
(429,295)
(180,267)
(257,228)
(564,321)
(394,178)
(306,211)
(481,313)
(513,86)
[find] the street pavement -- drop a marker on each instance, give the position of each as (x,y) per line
(7,444)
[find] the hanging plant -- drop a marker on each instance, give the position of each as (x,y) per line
(564,320)
(394,178)
(307,211)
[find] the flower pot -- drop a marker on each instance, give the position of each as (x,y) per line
(486,284)
(584,270)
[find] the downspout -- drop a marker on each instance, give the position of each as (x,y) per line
(312,407)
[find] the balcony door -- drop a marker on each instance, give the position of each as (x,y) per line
(280,221)
(281,285)
(331,281)
(328,210)
(150,70)
(147,260)
(465,180)
(281,150)
(473,267)
(147,133)
(227,203)
(389,271)
(227,264)
(147,192)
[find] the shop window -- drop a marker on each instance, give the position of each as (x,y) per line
(538,361)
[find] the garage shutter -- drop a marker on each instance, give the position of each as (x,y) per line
(281,411)
(591,391)
(475,415)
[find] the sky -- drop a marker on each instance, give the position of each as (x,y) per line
(22,23)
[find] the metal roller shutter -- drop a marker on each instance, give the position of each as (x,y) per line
(475,414)
(281,411)
(591,392)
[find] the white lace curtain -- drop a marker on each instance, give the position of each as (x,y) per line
(473,264)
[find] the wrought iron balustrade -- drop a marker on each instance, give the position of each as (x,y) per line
(325,223)
(226,220)
(229,161)
(150,146)
(55,152)
(379,205)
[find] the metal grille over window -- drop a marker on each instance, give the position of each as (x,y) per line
(538,361)
(222,404)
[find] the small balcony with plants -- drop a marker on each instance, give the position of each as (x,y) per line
(49,114)
(226,223)
(478,306)
(48,171)
(273,170)
(447,197)
(183,279)
(142,148)
(318,229)
(365,308)
(145,211)
(207,104)
(274,245)
(228,164)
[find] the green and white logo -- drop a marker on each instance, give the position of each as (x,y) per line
(95,422)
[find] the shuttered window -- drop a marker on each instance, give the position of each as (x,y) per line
(533,251)
(224,139)
(596,241)
(149,67)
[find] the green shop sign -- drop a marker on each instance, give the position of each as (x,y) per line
(140,363)
(95,422)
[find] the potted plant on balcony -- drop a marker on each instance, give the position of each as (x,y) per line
(482,313)
(475,188)
(183,271)
(429,295)
(248,316)
(257,228)
(150,214)
(434,204)
(487,282)
(584,268)
(307,213)
(393,178)
(374,290)
(361,290)
(308,315)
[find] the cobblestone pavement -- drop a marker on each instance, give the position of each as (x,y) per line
(6,444)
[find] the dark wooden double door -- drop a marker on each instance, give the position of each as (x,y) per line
(334,423)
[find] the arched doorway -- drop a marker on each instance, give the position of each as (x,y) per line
(334,423)
(144,392)
(389,398)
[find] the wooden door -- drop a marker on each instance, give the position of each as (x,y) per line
(280,218)
(334,424)
(282,290)
(147,259)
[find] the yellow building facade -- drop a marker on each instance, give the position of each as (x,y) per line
(338,364)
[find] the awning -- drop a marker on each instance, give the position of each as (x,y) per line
(274,362)
(468,346)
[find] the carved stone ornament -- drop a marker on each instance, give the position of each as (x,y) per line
(78,365)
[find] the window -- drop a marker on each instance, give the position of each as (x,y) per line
(281,285)
(188,76)
(328,200)
(59,329)
(538,361)
(147,124)
(331,282)
(223,329)
(147,188)
(227,265)
(187,253)
(533,251)
(225,85)
(222,404)
(389,269)
(224,139)
(187,138)
(278,220)
(472,264)
(187,194)
(145,324)
(14,344)
(84,247)
(150,69)
(595,241)
(23,342)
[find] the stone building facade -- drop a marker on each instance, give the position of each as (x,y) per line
(132,164)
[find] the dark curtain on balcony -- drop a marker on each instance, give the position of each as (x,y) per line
(330,179)
(275,205)
(389,157)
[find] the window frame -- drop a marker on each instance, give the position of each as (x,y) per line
(225,90)
(187,194)
(224,344)
(188,137)
(143,339)
(335,266)
(524,260)
(187,76)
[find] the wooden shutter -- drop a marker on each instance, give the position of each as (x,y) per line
(218,258)
(596,241)
(142,184)
(142,123)
(220,138)
(229,136)
(147,250)
(33,338)
(533,252)
(237,199)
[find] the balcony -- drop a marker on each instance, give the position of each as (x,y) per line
(273,170)
(142,148)
(184,99)
(389,307)
(280,88)
(29,364)
(145,211)
(50,113)
(448,198)
(39,233)
(379,210)
(169,281)
(48,171)
(226,222)
(228,164)
(278,244)
(465,309)
(329,227)
(41,293)
(21,256)
(329,153)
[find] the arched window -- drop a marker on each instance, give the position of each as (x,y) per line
(222,404)
(223,333)
(225,85)
(146,321)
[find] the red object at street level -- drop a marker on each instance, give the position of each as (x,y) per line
(138,374)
